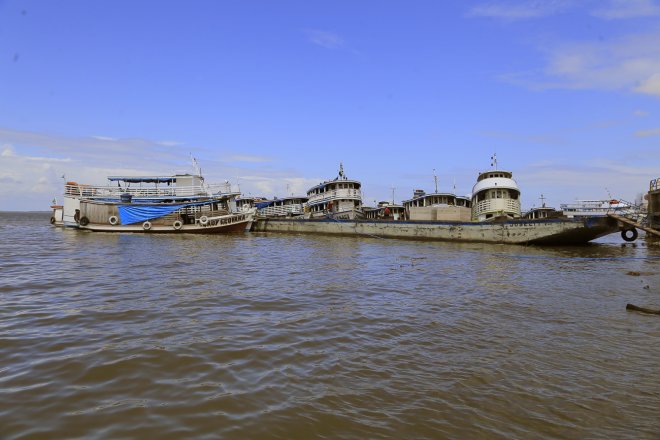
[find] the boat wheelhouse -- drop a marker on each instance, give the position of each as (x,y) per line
(245,203)
(340,198)
(385,211)
(437,206)
(495,195)
(542,212)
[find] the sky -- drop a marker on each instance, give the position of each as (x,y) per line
(273,95)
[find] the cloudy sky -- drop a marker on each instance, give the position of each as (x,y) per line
(272,95)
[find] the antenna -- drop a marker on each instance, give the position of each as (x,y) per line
(493,160)
(393,188)
(435,177)
(341,170)
(542,201)
(195,166)
(454,185)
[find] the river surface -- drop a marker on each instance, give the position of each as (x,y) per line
(251,336)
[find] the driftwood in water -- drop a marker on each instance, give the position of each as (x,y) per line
(642,309)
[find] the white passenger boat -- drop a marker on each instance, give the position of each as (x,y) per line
(340,198)
(596,208)
(173,204)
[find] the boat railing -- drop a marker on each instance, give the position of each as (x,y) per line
(335,194)
(93,191)
(491,205)
(280,211)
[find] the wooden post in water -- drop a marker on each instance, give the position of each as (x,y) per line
(642,309)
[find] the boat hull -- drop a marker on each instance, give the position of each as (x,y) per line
(236,227)
(545,231)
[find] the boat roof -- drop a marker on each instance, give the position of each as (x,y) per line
(336,180)
(426,195)
(147,179)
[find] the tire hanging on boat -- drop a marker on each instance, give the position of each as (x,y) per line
(631,237)
(52,220)
(203,220)
(113,220)
(84,221)
(177,224)
(146,225)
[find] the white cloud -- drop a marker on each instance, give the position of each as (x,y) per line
(648,133)
(630,63)
(7,151)
(32,165)
(650,86)
(562,182)
(621,9)
(519,10)
(640,113)
(247,158)
(326,39)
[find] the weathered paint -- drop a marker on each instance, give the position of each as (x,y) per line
(546,231)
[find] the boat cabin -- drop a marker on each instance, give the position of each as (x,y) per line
(495,195)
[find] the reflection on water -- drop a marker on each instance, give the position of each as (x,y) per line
(292,336)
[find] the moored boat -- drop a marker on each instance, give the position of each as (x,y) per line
(340,198)
(173,204)
(208,216)
(597,208)
(491,215)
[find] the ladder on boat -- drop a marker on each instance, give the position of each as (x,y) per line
(635,223)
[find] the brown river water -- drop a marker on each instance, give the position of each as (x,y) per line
(251,336)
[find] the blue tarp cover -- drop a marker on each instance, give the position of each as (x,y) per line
(260,205)
(136,213)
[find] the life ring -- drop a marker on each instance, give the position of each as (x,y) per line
(84,221)
(177,224)
(626,237)
(146,225)
(52,220)
(113,220)
(203,220)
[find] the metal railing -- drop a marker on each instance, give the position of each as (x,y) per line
(96,191)
(280,211)
(335,194)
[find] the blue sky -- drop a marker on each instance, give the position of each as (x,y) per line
(274,94)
